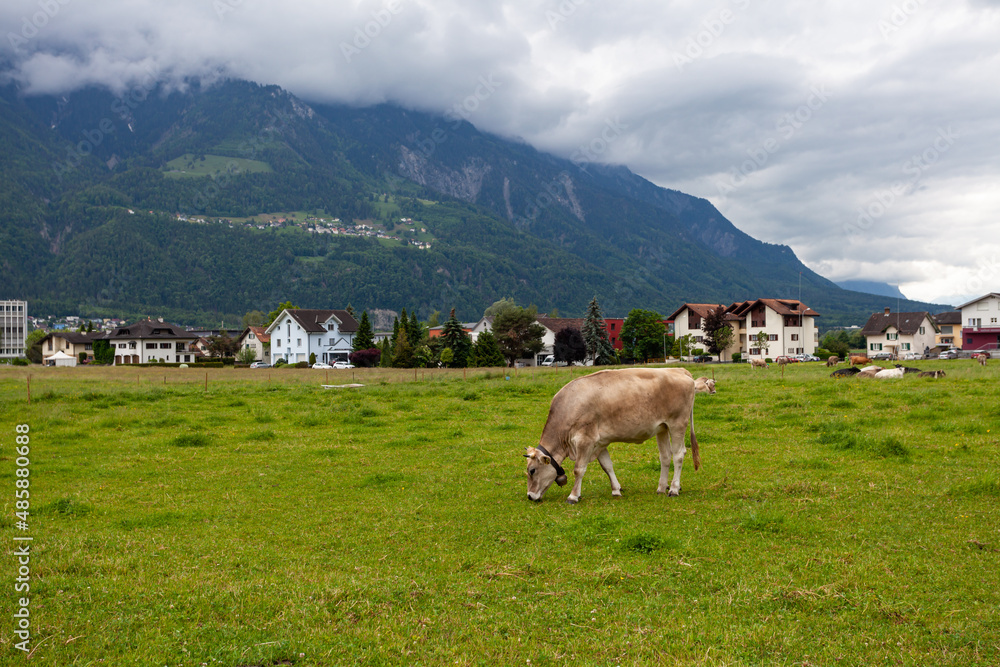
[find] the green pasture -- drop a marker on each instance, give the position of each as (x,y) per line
(190,164)
(245,517)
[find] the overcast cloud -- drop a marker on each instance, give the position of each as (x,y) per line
(864,134)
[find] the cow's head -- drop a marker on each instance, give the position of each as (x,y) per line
(542,470)
(704,386)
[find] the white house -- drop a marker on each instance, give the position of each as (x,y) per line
(256,338)
(687,320)
(900,333)
(981,323)
(151,340)
(788,324)
(298,332)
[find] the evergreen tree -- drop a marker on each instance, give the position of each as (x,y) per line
(385,357)
(364,337)
(486,351)
(273,315)
(350,310)
(457,339)
(414,330)
(718,334)
(402,354)
(569,345)
(595,336)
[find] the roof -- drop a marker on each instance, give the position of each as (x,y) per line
(59,355)
(314,321)
(699,309)
(948,317)
(557,324)
(780,306)
(76,337)
(150,328)
(906,323)
(259,332)
(985,296)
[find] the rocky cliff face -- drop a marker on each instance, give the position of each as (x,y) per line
(464,183)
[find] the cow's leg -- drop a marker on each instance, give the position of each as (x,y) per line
(605,460)
(671,449)
(579,470)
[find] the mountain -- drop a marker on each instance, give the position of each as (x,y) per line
(871,287)
(152,203)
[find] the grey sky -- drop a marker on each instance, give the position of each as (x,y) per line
(862,134)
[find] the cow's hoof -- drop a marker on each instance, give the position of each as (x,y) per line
(673,493)
(571,501)
(617,494)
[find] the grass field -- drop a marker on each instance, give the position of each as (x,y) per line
(213,165)
(264,520)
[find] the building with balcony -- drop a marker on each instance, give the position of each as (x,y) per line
(981,323)
(13,328)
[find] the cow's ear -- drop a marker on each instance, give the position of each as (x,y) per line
(545,460)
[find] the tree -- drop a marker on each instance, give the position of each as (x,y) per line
(434,320)
(763,341)
(273,315)
(643,334)
(414,330)
(837,343)
(683,345)
(350,310)
(595,336)
(103,352)
(457,340)
(312,358)
(402,354)
(486,351)
(33,346)
(498,307)
(222,346)
(255,318)
(247,355)
(365,358)
(569,345)
(718,334)
(517,333)
(447,356)
(364,337)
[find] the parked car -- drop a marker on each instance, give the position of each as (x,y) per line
(882,356)
(260,364)
(910,356)
(807,357)
(702,358)
(949,354)
(319,365)
(341,365)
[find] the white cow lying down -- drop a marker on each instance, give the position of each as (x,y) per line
(626,405)
(889,374)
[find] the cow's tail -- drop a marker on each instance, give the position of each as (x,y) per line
(694,442)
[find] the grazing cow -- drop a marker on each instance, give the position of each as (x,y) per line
(982,358)
(782,361)
(858,360)
(832,361)
(907,369)
(704,386)
(757,363)
(846,372)
(889,374)
(931,374)
(626,405)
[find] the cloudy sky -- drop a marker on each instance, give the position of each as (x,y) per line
(864,134)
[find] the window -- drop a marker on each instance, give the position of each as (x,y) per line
(298,342)
(945,329)
(332,341)
(922,331)
(975,322)
(904,346)
(875,347)
(795,336)
(773,337)
(164,346)
(983,305)
(277,343)
(892,336)
(50,345)
(755,351)
(121,346)
(150,346)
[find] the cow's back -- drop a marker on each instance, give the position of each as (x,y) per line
(625,405)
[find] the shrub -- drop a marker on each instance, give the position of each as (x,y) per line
(736,357)
(312,359)
(20,361)
(302,364)
(768,360)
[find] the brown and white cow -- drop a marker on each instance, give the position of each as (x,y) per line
(704,385)
(757,363)
(832,361)
(625,405)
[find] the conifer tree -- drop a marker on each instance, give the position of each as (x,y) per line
(487,352)
(364,338)
(457,339)
(402,354)
(595,336)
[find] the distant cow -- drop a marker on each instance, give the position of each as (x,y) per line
(626,405)
(931,374)
(832,361)
(982,358)
(704,386)
(757,363)
(906,369)
(846,372)
(870,371)
(889,374)
(859,360)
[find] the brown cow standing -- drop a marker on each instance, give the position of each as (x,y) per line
(832,361)
(859,360)
(626,405)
